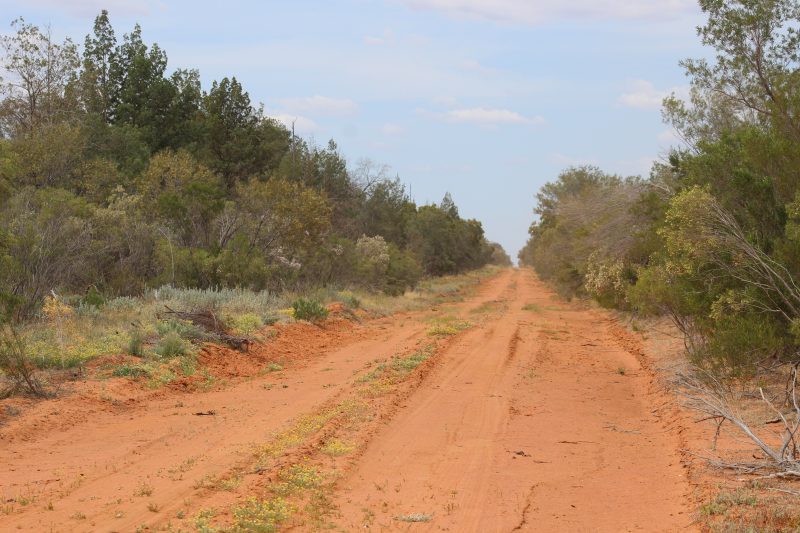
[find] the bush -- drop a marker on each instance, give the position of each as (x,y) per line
(245,324)
(183,329)
(16,365)
(310,310)
(737,343)
(136,343)
(172,345)
(350,300)
(403,272)
(93,298)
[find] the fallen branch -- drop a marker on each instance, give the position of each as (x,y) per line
(213,326)
(716,401)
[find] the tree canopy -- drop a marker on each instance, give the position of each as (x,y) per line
(121,174)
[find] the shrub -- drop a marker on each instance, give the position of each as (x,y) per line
(606,281)
(123,303)
(245,324)
(183,329)
(132,371)
(349,300)
(16,365)
(172,345)
(136,343)
(310,310)
(403,272)
(737,343)
(93,298)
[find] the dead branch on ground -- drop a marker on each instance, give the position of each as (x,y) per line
(213,325)
(718,401)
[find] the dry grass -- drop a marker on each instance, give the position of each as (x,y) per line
(754,509)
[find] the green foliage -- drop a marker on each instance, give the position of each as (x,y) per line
(17,371)
(311,310)
(136,343)
(119,174)
(172,345)
(444,243)
(184,329)
(132,371)
(245,324)
(711,239)
(736,344)
(499,256)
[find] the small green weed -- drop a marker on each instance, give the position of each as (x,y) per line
(132,371)
(272,366)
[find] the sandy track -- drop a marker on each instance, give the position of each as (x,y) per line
(522,423)
(102,474)
(527,424)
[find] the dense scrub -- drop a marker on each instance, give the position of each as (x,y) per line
(711,237)
(117,176)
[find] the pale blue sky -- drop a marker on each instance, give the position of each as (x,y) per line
(485,99)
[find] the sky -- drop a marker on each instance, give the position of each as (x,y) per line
(485,99)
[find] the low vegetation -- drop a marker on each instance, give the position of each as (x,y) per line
(163,347)
(310,310)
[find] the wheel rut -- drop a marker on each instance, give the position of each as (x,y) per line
(515,431)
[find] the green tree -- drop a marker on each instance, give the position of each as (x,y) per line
(48,234)
(99,55)
(185,194)
(232,133)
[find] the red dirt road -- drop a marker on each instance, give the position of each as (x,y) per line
(538,418)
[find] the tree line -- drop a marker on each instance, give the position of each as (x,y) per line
(711,238)
(117,175)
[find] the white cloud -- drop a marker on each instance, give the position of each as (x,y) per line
(642,94)
(320,105)
(84,8)
(539,11)
(302,125)
(390,129)
(488,117)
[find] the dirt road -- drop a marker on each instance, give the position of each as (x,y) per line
(535,418)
